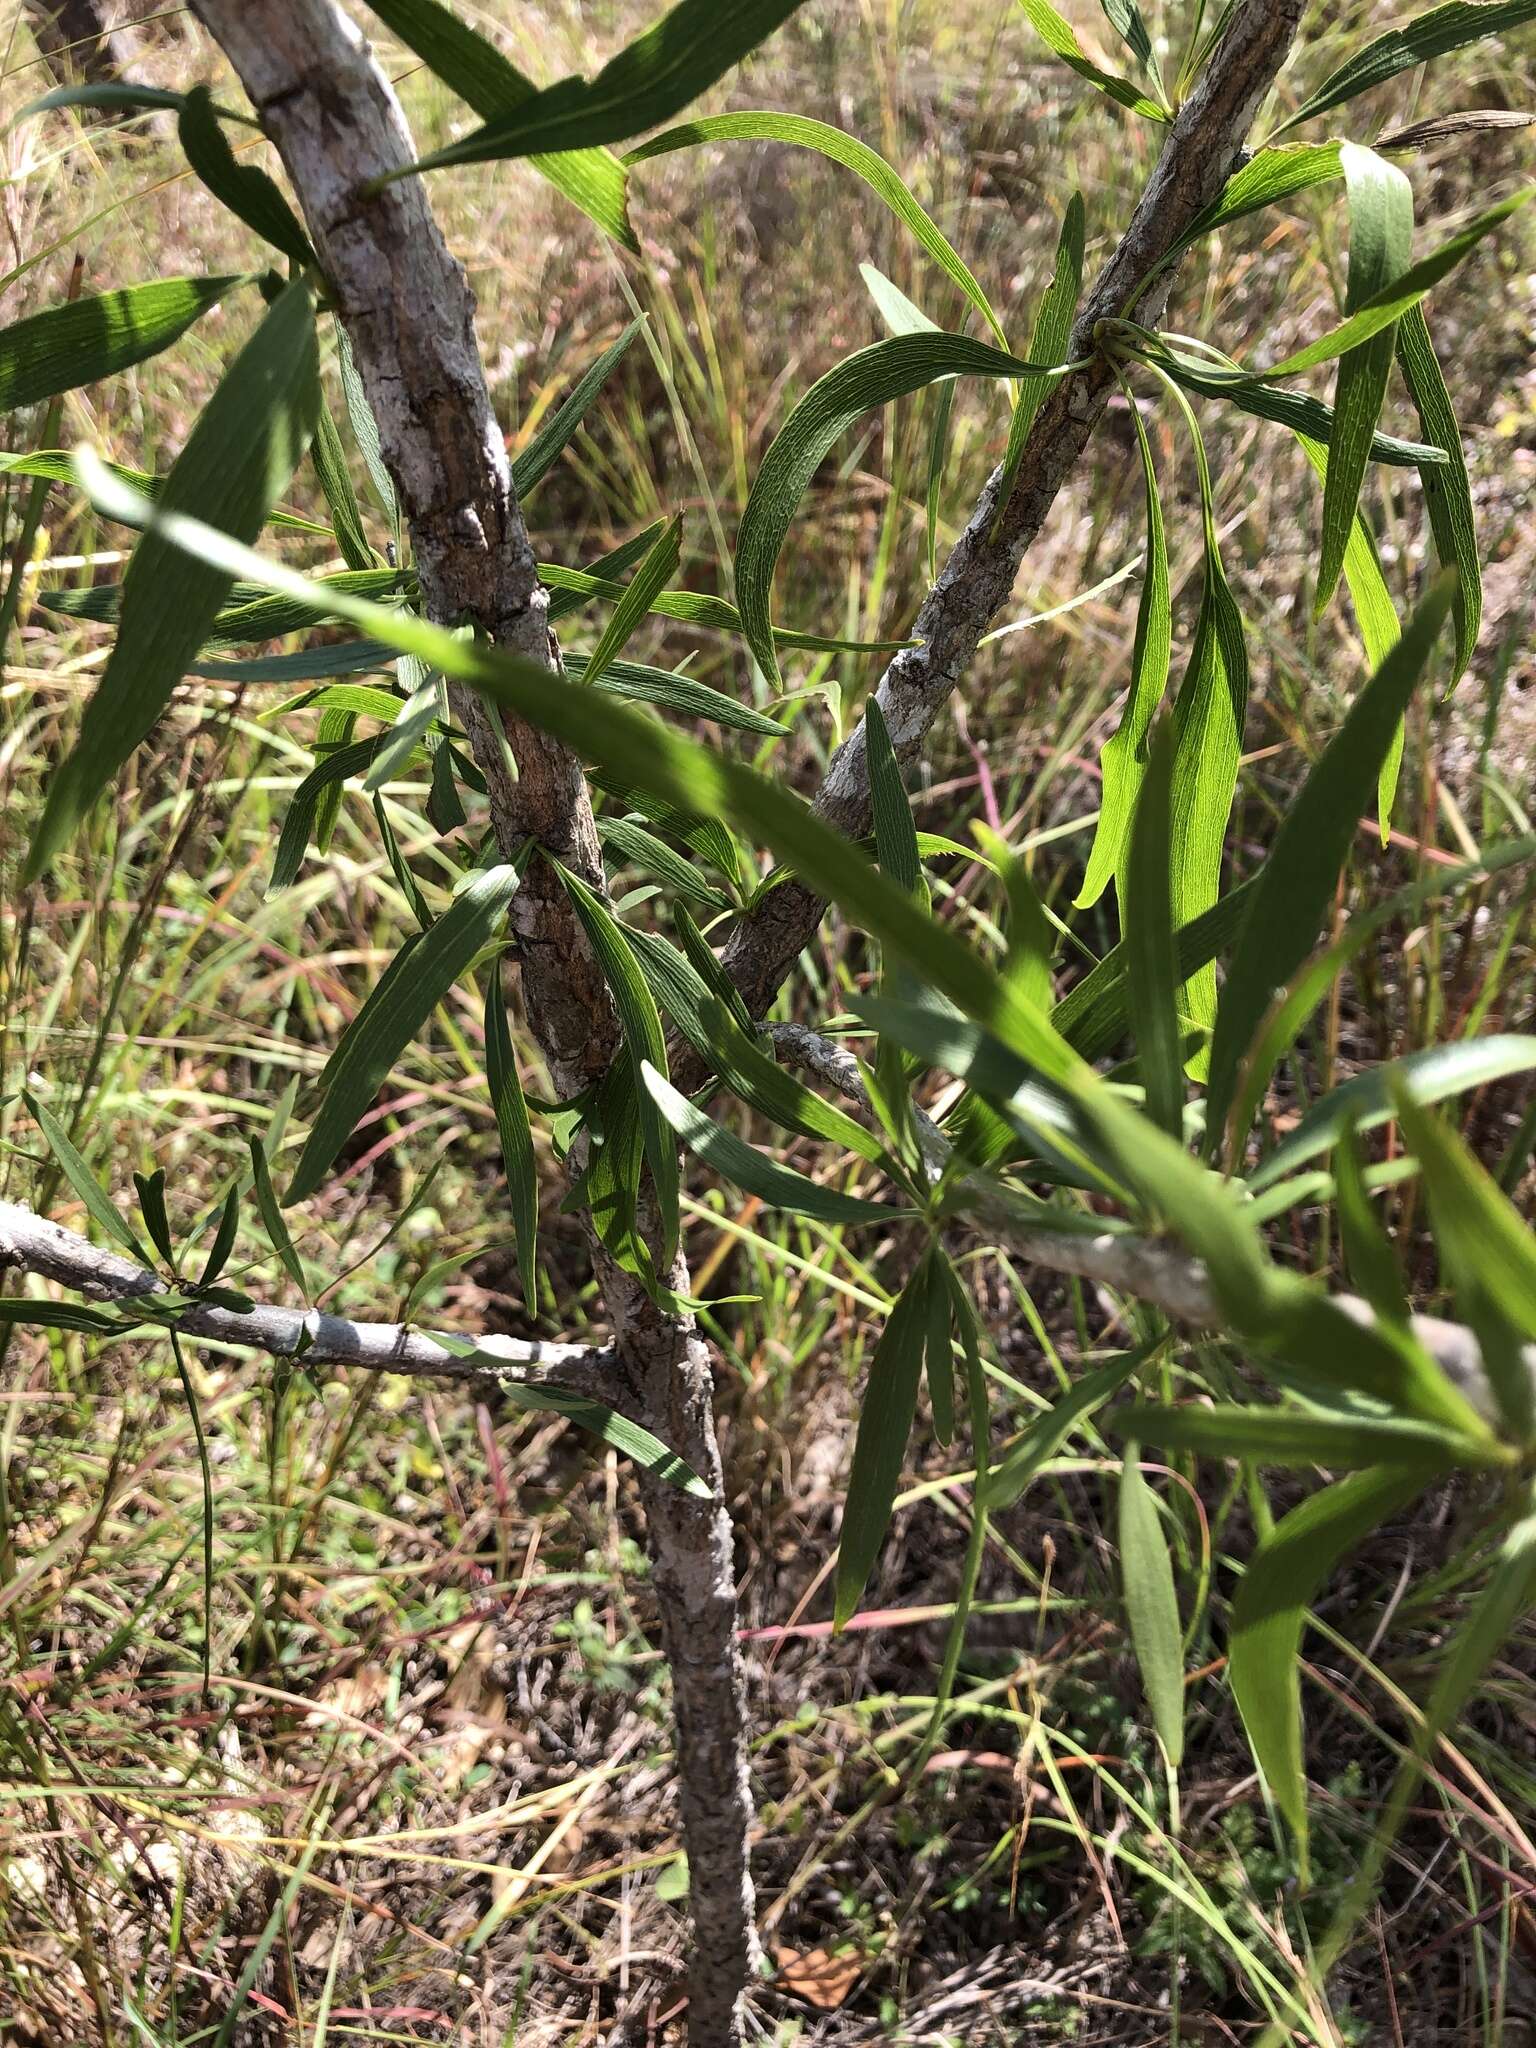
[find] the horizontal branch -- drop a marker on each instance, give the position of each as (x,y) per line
(31,1244)
(1150,1268)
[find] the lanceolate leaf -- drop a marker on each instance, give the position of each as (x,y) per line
(1380,245)
(393,1016)
(557,432)
(1431,1075)
(1433,34)
(1044,1436)
(272,1215)
(669,690)
(1447,487)
(840,148)
(871,377)
(1058,32)
(88,339)
(1269,176)
(1152,1606)
(300,820)
(1094,1015)
(629,844)
(1124,759)
(692,607)
(244,188)
(647,83)
(476,70)
(1296,884)
(1270,1610)
(757,1173)
(238,459)
(885,1424)
(647,584)
(83,1181)
(1298,410)
(1295,1437)
(341,500)
(1130,24)
(516,1135)
(1147,916)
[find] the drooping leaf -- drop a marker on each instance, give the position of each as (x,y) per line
(516,1135)
(1296,885)
(393,1016)
(85,340)
(1269,1613)
(1380,246)
(885,1423)
(1123,762)
(1152,1606)
(492,85)
(151,1192)
(246,444)
(532,463)
(871,377)
(80,1177)
(649,81)
(1447,487)
(1130,24)
(838,147)
(1220,378)
(1432,34)
(757,1173)
(1060,35)
(108,96)
(246,189)
(224,1238)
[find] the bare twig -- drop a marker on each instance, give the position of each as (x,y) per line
(978,577)
(1152,1269)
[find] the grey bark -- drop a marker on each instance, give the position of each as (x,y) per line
(976,581)
(409,317)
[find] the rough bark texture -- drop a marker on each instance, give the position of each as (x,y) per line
(409,317)
(978,577)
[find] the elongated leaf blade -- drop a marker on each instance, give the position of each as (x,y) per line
(238,459)
(272,1215)
(885,1424)
(640,594)
(516,1135)
(1048,343)
(393,1016)
(488,81)
(839,147)
(1057,31)
(1152,1606)
(1152,956)
(1296,885)
(1295,1437)
(88,339)
(648,82)
(669,690)
(80,1177)
(1447,487)
(1433,34)
(531,464)
(246,189)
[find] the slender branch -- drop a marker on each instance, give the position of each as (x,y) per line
(978,577)
(33,1244)
(1152,1269)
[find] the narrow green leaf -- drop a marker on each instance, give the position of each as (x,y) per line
(1269,1613)
(626,1437)
(1059,34)
(492,85)
(764,125)
(151,1193)
(1447,487)
(1221,378)
(1129,23)
(336,486)
(421,711)
(299,821)
(649,81)
(246,444)
(1296,885)
(1041,1440)
(871,377)
(1434,34)
(640,595)
(1048,343)
(224,1238)
(1123,762)
(633,846)
(365,431)
(671,691)
(757,1173)
(1152,1606)
(895,833)
(938,1353)
(534,462)
(24,1313)
(516,1135)
(272,1216)
(88,339)
(1489,1252)
(1270,175)
(1295,1437)
(1093,1016)
(885,1424)
(107,97)
(1367,1098)
(644,1040)
(246,189)
(393,1016)
(82,1180)
(693,608)
(1368,1255)
(1147,915)
(1380,247)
